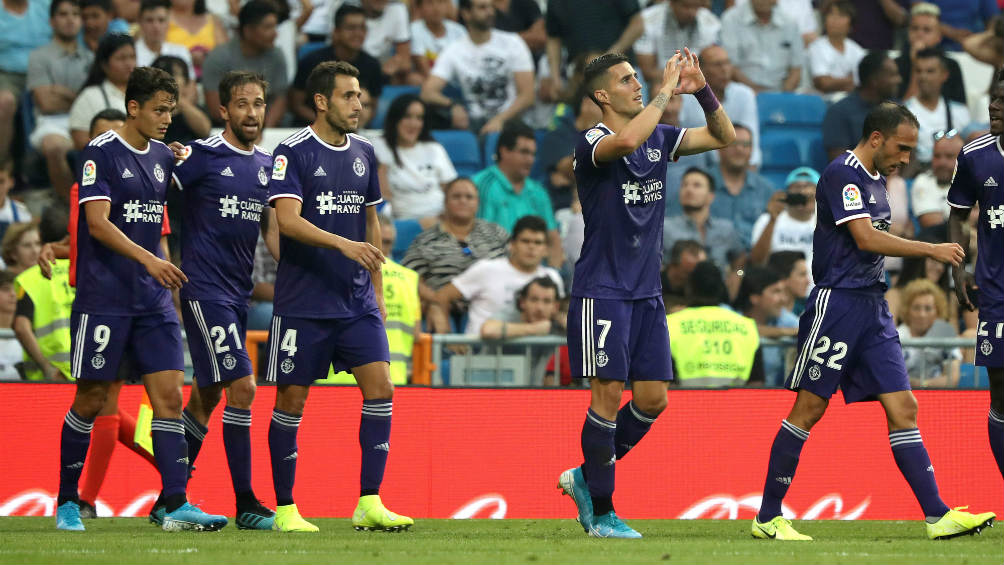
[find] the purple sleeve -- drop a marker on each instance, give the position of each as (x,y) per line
(585,147)
(961,193)
(285,181)
(672,138)
(95,175)
(841,194)
(373,195)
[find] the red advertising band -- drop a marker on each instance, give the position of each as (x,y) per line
(707,99)
(467,453)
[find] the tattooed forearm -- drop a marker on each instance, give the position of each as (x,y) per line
(660,101)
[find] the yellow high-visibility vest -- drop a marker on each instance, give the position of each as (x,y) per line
(712,346)
(53,300)
(400,294)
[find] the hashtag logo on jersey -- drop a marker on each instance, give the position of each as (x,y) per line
(228,206)
(132,211)
(632,193)
(995,217)
(326,203)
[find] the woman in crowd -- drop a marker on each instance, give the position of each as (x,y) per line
(20,248)
(414,168)
(10,348)
(105,85)
(448,248)
(924,313)
(920,268)
(194,27)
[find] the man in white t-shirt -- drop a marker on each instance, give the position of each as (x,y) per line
(929,197)
(790,219)
(490,285)
(154,16)
(431,33)
(933,110)
(834,58)
(799,12)
(669,26)
(493,68)
(387,35)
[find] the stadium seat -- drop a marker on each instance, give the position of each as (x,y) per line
(780,155)
(814,153)
(782,109)
(407,230)
(387,96)
(462,147)
(308,48)
(971,376)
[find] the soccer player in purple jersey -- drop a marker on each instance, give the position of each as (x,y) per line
(846,336)
(977,181)
(329,307)
(123,302)
(224,181)
(616,321)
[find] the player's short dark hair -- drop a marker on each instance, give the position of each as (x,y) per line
(105,5)
(145,82)
(783,262)
(705,286)
(322,78)
(54,6)
(543,282)
(147,5)
(871,65)
(886,117)
(172,65)
(703,173)
(512,130)
(596,71)
(109,114)
(755,281)
(933,53)
(237,79)
(254,12)
(345,11)
(528,223)
(682,246)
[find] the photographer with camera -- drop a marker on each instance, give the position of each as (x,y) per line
(790,219)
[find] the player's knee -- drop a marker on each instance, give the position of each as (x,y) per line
(89,401)
(209,398)
(167,403)
(240,394)
(652,406)
(904,414)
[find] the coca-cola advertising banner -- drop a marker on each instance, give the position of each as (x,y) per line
(492,453)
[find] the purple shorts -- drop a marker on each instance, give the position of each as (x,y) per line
(301,349)
(215,332)
(990,343)
(847,339)
(152,342)
(619,340)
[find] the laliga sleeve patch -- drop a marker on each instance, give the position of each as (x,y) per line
(852,198)
(594,134)
(279,168)
(90,173)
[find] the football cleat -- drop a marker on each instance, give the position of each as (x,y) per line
(573,484)
(87,511)
(956,522)
(156,515)
(191,517)
(68,517)
(778,528)
(610,526)
(287,519)
(371,515)
(256,517)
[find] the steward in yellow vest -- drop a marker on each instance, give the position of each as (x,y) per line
(42,320)
(712,346)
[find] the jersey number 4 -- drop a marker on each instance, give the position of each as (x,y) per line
(839,351)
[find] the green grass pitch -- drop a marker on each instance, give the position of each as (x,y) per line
(133,540)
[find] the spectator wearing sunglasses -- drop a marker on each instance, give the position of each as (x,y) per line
(929,199)
(934,111)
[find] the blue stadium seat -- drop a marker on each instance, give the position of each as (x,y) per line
(815,153)
(462,147)
(407,231)
(780,151)
(971,376)
(783,109)
(308,48)
(387,96)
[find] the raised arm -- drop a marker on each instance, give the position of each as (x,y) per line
(719,132)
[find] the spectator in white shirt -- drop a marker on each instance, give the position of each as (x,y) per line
(764,45)
(493,68)
(934,111)
(790,219)
(414,168)
(154,16)
(929,198)
(431,33)
(670,26)
(833,59)
(800,13)
(387,35)
(11,211)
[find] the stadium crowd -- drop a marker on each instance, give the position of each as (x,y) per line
(474,108)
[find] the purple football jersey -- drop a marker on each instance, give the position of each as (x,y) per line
(978,176)
(623,208)
(335,185)
(226,190)
(135,183)
(847,191)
